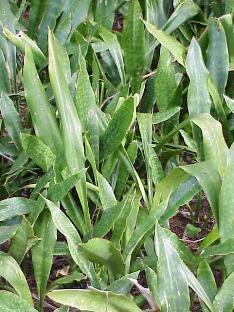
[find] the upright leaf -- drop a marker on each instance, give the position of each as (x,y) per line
(172,282)
(42,253)
(133,43)
(198,94)
(165,76)
(217,55)
(11,119)
(106,193)
(117,128)
(206,279)
(115,50)
(65,226)
(71,126)
(22,241)
(43,116)
(224,299)
(226,212)
(87,108)
(215,147)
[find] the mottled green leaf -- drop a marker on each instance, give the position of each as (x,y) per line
(117,128)
(37,151)
(11,272)
(172,283)
(39,105)
(217,55)
(198,95)
(11,119)
(224,299)
(11,302)
(133,43)
(42,252)
(103,252)
(94,300)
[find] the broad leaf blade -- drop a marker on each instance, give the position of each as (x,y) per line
(94,300)
(10,271)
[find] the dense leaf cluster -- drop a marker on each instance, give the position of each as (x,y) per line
(116,121)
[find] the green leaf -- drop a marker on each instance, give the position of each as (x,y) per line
(165,76)
(230,103)
(42,252)
(143,230)
(152,281)
(169,42)
(206,279)
(179,187)
(221,249)
(51,12)
(11,119)
(117,128)
(22,241)
(207,175)
(109,217)
(11,272)
(124,158)
(105,12)
(11,302)
(71,126)
(226,21)
(226,200)
(37,151)
(104,252)
(8,229)
(36,12)
(115,50)
(224,299)
(123,285)
(46,128)
(163,116)
(197,287)
(211,237)
(78,9)
(172,283)
(87,108)
(4,78)
(215,146)
(184,252)
(63,29)
(21,41)
(106,194)
(121,222)
(217,55)
(16,206)
(133,43)
(123,173)
(58,191)
(153,165)
(67,279)
(94,300)
(198,95)
(183,12)
(65,226)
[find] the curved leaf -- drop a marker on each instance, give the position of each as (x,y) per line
(94,300)
(10,271)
